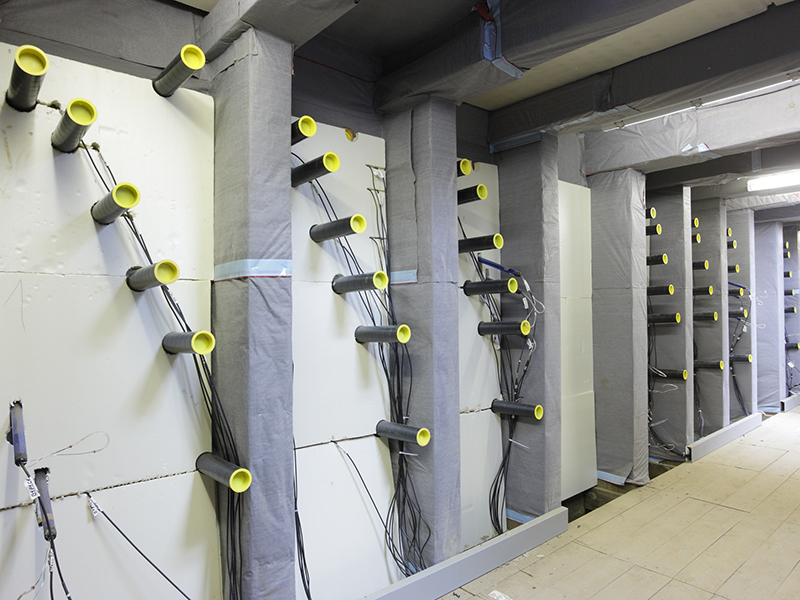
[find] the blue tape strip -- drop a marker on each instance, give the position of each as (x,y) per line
(253,268)
(611,478)
(398,277)
(517,516)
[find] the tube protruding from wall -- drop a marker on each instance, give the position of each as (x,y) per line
(650,213)
(123,197)
(491,286)
(185,64)
(696,238)
(236,478)
(739,313)
(661,290)
(793,346)
(733,268)
(789,292)
(390,334)
(732,245)
(305,127)
(518,409)
(313,169)
(695,222)
(787,274)
(657,259)
(74,124)
(739,292)
(16,435)
(463,167)
(653,229)
(700,265)
(339,228)
(709,316)
(504,328)
(709,364)
(741,358)
(48,522)
(27,76)
(703,290)
(791,310)
(471,194)
(164,272)
(674,374)
(729,232)
(667,318)
(403,433)
(189,342)
(362,282)
(787,254)
(484,242)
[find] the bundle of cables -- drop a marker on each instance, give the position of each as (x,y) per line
(511,372)
(222,438)
(738,331)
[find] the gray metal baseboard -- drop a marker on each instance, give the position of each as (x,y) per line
(718,439)
(451,574)
(790,402)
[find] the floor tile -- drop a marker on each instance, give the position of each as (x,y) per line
(560,563)
(789,588)
(677,590)
(786,465)
(520,586)
(491,578)
(459,594)
(754,491)
(592,578)
(722,483)
(760,460)
(781,503)
(635,584)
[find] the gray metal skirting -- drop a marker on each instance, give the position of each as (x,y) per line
(451,574)
(719,438)
(790,402)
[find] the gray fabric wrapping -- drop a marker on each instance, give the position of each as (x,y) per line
(712,339)
(619,317)
(673,411)
(422,222)
(253,358)
(529,223)
(570,159)
(792,321)
(771,366)
(742,227)
(472,127)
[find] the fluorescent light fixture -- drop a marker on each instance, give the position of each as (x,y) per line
(774,182)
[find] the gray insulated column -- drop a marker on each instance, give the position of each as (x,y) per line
(791,320)
(529,223)
(252,362)
(672,409)
(770,352)
(422,221)
(619,316)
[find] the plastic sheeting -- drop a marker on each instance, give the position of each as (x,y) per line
(422,218)
(619,281)
(252,316)
(769,296)
(529,223)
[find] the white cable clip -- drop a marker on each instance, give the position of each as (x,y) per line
(33,491)
(94,507)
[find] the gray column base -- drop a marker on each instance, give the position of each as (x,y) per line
(716,440)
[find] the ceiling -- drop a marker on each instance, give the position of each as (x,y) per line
(401,31)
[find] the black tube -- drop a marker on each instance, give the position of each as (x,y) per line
(695,222)
(717,365)
(653,230)
(313,169)
(732,245)
(790,310)
(339,228)
(700,265)
(674,374)
(736,292)
(403,433)
(695,238)
(484,242)
(789,292)
(17,434)
(27,76)
(504,328)
(661,290)
(303,128)
(733,268)
(703,290)
(657,259)
(463,167)
(471,194)
(518,409)
(794,346)
(48,522)
(742,358)
(673,318)
(73,125)
(710,316)
(391,334)
(228,474)
(362,282)
(189,60)
(650,213)
(491,286)
(738,313)
(787,273)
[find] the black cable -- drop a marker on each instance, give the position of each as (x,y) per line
(305,577)
(135,547)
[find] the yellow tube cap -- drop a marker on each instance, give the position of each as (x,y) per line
(651,212)
(240,480)
(464,166)
(167,272)
(685,374)
(81,111)
(696,222)
(482,191)
(331,161)
(745,313)
(126,195)
(307,125)
(203,342)
(734,243)
(358,223)
(513,285)
(730,232)
(193,57)
(671,289)
(423,437)
(31,60)
(497,239)
(705,265)
(721,366)
(664,258)
(749,358)
(658,228)
(538,412)
(716,316)
(380,280)
(525,328)
(403,334)
(677,317)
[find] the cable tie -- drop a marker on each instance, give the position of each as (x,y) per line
(407,453)
(513,441)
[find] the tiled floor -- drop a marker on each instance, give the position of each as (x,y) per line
(724,527)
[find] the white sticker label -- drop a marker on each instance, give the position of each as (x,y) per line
(94,507)
(51,561)
(791,364)
(525,302)
(30,484)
